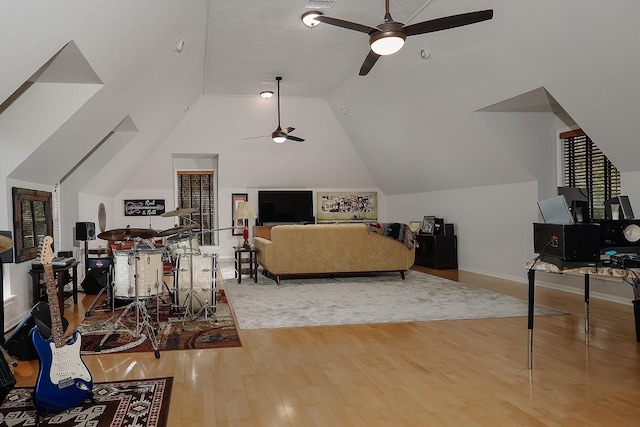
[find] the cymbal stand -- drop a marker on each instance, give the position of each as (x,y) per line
(140,310)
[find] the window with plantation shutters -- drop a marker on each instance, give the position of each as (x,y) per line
(585,166)
(196,189)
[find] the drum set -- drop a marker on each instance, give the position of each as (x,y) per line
(139,271)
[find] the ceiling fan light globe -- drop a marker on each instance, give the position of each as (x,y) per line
(309,18)
(385,44)
(279,139)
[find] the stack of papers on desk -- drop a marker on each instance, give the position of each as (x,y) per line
(57,261)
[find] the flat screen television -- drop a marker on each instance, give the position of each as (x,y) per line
(285,206)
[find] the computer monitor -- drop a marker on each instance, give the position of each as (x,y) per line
(555,211)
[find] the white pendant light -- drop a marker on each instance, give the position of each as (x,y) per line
(279,139)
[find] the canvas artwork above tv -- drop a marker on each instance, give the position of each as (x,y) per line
(285,206)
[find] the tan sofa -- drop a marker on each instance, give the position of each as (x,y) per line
(330,248)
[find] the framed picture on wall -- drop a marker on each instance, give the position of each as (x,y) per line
(238,224)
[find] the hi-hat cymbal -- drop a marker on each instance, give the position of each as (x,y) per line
(177,230)
(124,233)
(179,212)
(5,243)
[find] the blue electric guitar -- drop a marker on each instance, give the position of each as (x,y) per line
(63,379)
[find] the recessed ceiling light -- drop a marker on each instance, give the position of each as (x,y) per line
(266,94)
(309,18)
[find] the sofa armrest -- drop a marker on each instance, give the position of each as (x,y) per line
(267,254)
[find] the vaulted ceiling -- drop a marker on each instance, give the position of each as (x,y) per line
(451,120)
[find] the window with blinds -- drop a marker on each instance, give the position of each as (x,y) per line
(585,166)
(196,189)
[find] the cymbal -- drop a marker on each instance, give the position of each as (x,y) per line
(179,212)
(177,230)
(5,243)
(124,233)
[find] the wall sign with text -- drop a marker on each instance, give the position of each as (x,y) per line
(144,207)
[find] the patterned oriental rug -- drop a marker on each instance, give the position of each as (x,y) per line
(172,332)
(141,403)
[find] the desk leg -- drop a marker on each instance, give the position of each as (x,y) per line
(75,284)
(586,303)
(531,275)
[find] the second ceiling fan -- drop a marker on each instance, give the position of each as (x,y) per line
(388,37)
(280,135)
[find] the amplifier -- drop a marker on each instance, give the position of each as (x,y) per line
(568,242)
(623,233)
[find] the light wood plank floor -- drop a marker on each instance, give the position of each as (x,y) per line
(447,373)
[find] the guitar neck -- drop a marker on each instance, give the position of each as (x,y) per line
(57,331)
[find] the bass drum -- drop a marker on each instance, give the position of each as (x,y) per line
(150,274)
(200,270)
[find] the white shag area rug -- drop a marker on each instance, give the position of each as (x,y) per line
(384,298)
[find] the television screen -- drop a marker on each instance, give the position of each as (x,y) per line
(285,206)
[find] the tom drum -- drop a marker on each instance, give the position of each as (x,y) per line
(178,246)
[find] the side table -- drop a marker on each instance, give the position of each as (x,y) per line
(249,257)
(37,281)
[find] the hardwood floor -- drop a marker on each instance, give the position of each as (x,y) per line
(446,373)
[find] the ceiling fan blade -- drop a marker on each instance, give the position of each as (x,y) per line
(368,63)
(448,22)
(363,28)
(288,130)
(254,137)
(294,138)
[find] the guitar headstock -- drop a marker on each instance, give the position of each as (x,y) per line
(46,253)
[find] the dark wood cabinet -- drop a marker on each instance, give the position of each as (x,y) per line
(437,252)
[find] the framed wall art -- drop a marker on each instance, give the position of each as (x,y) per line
(347,206)
(238,224)
(32,220)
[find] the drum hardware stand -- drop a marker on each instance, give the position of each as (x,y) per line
(108,289)
(141,312)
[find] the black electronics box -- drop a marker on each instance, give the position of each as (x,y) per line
(621,234)
(568,242)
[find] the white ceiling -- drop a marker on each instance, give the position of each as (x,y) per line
(250,43)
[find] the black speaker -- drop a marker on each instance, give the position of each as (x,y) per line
(6,256)
(449,230)
(620,234)
(438,227)
(624,210)
(19,343)
(85,231)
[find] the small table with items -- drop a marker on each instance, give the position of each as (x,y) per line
(251,258)
(61,273)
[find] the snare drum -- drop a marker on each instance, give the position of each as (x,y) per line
(150,273)
(203,268)
(184,245)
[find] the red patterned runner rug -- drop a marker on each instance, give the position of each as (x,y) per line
(141,403)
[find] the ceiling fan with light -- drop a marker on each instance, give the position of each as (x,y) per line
(280,135)
(388,37)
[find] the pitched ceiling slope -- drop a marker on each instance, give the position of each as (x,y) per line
(424,112)
(132,50)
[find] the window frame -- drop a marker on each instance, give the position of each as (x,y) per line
(596,163)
